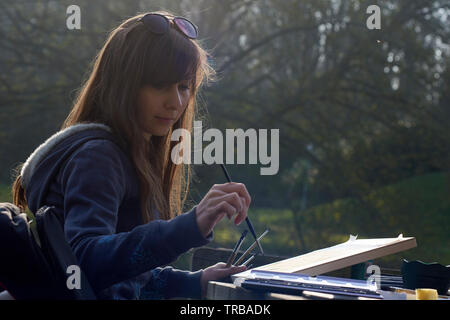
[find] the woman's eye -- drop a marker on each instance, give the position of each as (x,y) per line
(184,87)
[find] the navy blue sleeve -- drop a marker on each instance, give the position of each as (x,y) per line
(94,183)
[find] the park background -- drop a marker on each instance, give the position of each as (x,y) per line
(363,114)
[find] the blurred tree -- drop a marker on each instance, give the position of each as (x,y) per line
(312,69)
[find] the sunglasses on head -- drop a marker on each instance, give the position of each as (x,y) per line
(160,24)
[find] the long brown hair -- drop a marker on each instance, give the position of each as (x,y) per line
(131,58)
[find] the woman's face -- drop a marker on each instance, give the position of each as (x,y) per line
(160,108)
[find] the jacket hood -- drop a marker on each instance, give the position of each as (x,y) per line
(45,161)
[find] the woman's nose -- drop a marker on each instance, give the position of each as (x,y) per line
(174,99)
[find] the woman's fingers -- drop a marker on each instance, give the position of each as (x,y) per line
(220,270)
(230,199)
(225,207)
(239,188)
(217,272)
(240,198)
(233,199)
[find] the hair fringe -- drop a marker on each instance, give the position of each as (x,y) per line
(18,193)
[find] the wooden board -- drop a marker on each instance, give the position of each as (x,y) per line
(346,254)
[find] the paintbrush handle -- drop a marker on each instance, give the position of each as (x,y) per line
(253,246)
(247,220)
(248,260)
(226,172)
(236,249)
(252,231)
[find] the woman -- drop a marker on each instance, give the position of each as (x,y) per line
(109,173)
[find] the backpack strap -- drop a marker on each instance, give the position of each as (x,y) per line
(24,270)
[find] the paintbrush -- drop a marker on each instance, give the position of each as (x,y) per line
(236,249)
(250,248)
(249,224)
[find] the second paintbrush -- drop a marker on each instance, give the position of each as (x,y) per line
(236,249)
(247,220)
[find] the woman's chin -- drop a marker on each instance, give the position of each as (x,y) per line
(161,132)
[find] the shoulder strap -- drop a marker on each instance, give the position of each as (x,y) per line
(61,258)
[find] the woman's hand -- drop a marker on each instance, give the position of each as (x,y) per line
(229,199)
(217,272)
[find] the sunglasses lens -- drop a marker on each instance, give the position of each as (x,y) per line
(187,27)
(157,24)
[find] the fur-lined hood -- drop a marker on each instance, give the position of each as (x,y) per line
(45,162)
(45,148)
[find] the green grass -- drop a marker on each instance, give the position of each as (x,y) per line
(5,193)
(417,207)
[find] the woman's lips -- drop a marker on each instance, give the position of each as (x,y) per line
(165,120)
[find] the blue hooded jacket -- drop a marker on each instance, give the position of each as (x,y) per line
(95,190)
